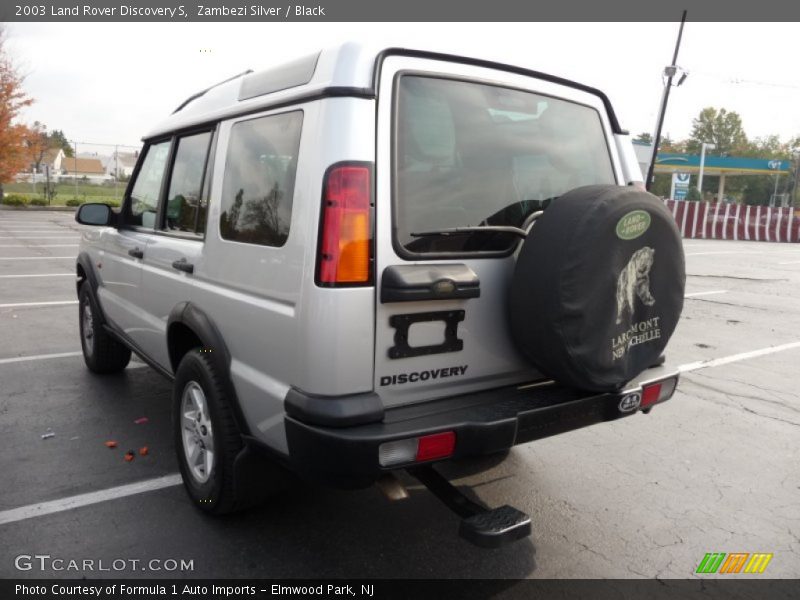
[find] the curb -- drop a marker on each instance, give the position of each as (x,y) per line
(40,208)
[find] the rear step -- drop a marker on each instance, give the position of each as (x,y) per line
(482,526)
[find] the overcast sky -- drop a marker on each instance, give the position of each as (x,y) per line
(111,82)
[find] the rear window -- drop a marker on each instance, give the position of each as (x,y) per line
(469,154)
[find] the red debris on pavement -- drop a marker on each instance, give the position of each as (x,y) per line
(129,456)
(111,444)
(144,451)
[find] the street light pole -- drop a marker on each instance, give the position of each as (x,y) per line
(703,147)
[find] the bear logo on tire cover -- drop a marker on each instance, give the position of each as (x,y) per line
(634,281)
(598,286)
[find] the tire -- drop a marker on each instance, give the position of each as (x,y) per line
(233,477)
(102,353)
(598,287)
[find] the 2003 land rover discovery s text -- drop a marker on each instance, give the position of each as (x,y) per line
(362,262)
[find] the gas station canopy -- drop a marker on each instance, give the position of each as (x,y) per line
(720,165)
(683,166)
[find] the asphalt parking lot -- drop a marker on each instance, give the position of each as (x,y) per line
(716,469)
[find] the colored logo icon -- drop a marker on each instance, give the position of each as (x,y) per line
(735,562)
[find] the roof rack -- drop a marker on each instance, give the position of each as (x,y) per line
(200,93)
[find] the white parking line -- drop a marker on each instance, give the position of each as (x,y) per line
(63,230)
(724,252)
(716,362)
(790,262)
(694,294)
(18,359)
(42,237)
(21,304)
(38,275)
(32,246)
(33,257)
(55,506)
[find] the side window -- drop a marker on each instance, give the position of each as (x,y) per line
(258,185)
(147,187)
(186,203)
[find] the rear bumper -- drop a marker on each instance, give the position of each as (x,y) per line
(484,423)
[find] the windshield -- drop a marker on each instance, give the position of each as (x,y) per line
(469,154)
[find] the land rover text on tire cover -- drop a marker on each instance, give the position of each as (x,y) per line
(365,262)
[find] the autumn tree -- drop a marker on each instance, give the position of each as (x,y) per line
(13,155)
(669,145)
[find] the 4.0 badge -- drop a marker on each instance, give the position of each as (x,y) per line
(630,402)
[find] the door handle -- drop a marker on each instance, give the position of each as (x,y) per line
(136,253)
(184,266)
(407,283)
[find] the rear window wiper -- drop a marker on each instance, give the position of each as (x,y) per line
(472,229)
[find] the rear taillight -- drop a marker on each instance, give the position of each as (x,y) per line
(658,391)
(345,245)
(414,450)
(438,445)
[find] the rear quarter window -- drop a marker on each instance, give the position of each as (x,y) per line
(258,185)
(469,154)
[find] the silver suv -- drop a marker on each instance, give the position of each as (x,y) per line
(361,262)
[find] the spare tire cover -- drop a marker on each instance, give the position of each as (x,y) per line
(598,287)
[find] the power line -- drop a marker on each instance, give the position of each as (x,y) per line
(740,81)
(102,144)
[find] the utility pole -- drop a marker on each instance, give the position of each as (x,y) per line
(116,172)
(75,169)
(47,190)
(670,72)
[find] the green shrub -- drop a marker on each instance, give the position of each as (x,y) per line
(113,203)
(74,202)
(693,195)
(37,202)
(14,200)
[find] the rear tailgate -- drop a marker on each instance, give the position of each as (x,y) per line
(462,145)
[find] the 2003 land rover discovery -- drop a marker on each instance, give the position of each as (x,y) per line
(361,262)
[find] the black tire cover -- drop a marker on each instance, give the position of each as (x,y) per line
(598,287)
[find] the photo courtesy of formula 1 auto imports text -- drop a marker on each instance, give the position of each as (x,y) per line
(399,300)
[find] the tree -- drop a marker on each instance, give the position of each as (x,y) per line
(644,138)
(12,135)
(38,143)
(759,189)
(59,140)
(719,127)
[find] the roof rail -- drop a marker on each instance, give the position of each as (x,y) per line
(201,92)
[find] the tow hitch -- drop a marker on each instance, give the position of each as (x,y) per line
(480,525)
